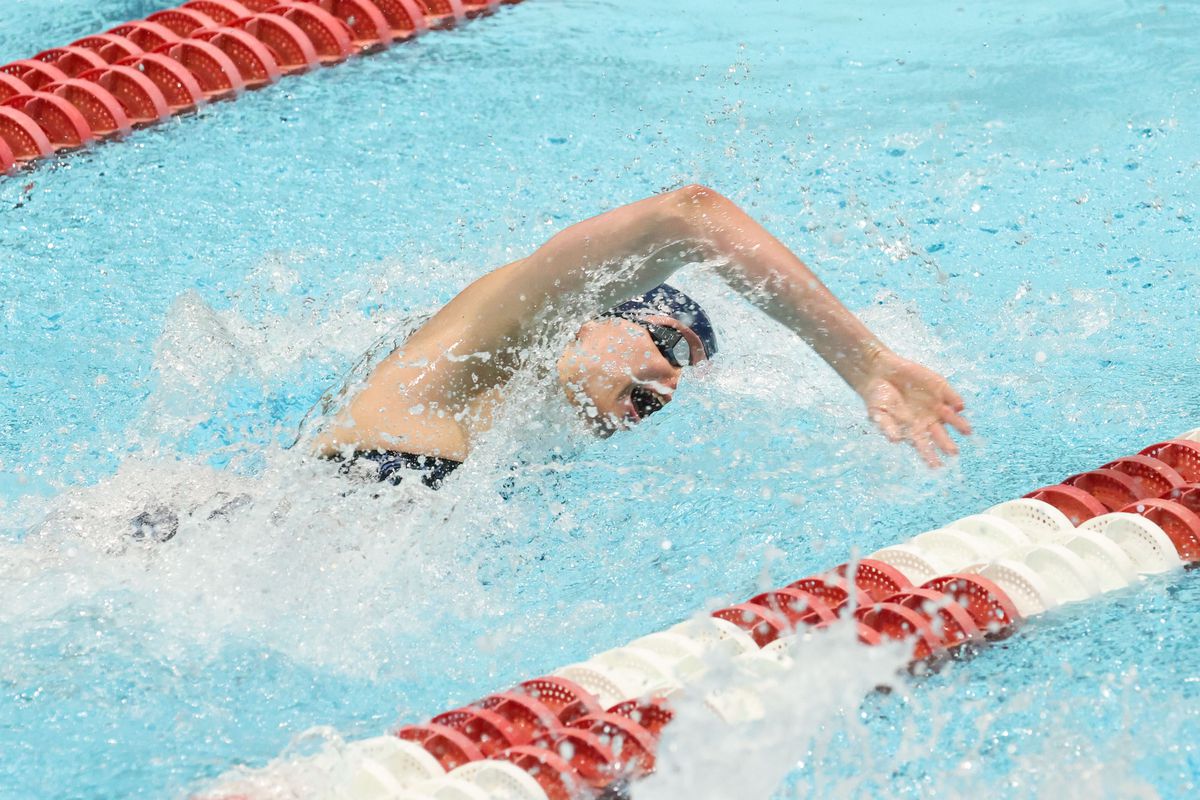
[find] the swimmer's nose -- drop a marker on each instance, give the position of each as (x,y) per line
(669,384)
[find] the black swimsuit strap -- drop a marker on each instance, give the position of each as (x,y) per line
(394,464)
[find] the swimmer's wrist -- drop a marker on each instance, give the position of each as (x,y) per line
(871,350)
(872,355)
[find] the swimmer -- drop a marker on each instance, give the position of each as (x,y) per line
(425,405)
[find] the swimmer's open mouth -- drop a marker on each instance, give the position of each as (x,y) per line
(645,402)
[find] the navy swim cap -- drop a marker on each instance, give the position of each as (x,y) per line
(667,301)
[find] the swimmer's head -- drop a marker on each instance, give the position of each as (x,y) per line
(626,364)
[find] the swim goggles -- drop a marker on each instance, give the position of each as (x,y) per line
(671,343)
(675,349)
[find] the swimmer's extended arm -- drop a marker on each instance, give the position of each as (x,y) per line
(472,345)
(630,250)
(905,399)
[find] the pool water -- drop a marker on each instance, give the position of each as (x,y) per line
(1005,191)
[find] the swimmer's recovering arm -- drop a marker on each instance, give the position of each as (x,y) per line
(645,242)
(474,343)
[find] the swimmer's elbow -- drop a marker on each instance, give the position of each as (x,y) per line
(696,205)
(696,194)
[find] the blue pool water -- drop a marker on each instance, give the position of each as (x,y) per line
(1004,190)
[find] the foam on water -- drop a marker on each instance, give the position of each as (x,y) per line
(803,708)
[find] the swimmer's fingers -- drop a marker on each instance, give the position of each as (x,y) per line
(923,442)
(922,437)
(942,439)
(950,416)
(952,398)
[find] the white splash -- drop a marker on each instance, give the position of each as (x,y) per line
(704,757)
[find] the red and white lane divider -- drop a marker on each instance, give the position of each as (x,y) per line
(175,61)
(593,726)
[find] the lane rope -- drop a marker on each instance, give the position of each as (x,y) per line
(174,61)
(589,729)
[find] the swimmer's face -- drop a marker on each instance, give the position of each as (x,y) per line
(615,374)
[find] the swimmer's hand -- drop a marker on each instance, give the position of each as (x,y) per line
(912,403)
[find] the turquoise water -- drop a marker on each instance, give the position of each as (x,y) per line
(1004,190)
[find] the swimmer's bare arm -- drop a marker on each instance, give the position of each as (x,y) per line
(472,345)
(430,394)
(906,400)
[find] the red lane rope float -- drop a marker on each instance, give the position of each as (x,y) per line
(255,62)
(443,13)
(63,123)
(219,77)
(565,698)
(72,60)
(143,101)
(488,730)
(1112,488)
(406,17)
(330,36)
(763,624)
(529,717)
(225,45)
(1180,523)
(23,136)
(368,25)
(990,608)
(1180,454)
(476,7)
(1155,476)
(1187,496)
(877,579)
(11,86)
(956,624)
(833,589)
(450,747)
(104,113)
(796,605)
(584,751)
(558,779)
(146,35)
(183,21)
(109,47)
(222,12)
(35,74)
(7,159)
(1075,503)
(904,624)
(291,46)
(178,85)
(631,744)
(653,714)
